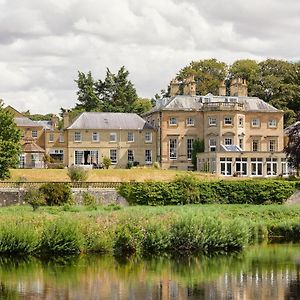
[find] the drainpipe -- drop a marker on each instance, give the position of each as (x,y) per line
(160,138)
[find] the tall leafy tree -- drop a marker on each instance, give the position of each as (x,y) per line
(207,73)
(292,149)
(10,147)
(116,92)
(87,97)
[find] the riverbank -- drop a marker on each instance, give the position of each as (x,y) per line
(145,230)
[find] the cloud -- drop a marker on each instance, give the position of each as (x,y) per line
(44,43)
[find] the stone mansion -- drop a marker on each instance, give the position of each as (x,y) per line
(243,136)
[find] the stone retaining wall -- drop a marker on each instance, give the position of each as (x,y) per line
(11,196)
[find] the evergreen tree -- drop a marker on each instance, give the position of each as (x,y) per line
(10,147)
(88,100)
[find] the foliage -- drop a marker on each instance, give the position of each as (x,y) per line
(56,193)
(61,236)
(38,117)
(18,238)
(89,200)
(292,149)
(188,190)
(10,147)
(207,73)
(106,162)
(77,173)
(87,97)
(156,165)
(198,147)
(35,198)
(274,81)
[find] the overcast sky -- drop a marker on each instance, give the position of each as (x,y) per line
(43,43)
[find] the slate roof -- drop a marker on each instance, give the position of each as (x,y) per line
(24,121)
(103,120)
(186,102)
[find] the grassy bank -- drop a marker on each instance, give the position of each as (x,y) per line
(115,175)
(146,230)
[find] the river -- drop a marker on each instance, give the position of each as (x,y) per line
(260,272)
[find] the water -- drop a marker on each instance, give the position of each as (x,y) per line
(261,272)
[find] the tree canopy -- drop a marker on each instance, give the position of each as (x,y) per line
(274,81)
(116,93)
(9,142)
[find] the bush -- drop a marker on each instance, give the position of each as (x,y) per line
(129,165)
(18,238)
(77,173)
(56,193)
(61,236)
(188,190)
(35,198)
(106,162)
(89,200)
(156,165)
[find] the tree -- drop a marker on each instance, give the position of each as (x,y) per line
(116,92)
(207,73)
(87,97)
(292,149)
(198,147)
(10,146)
(141,105)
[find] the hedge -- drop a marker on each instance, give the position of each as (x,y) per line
(189,190)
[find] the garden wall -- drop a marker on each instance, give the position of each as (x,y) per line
(11,196)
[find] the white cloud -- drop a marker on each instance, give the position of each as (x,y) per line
(44,43)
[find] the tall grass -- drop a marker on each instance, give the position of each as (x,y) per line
(145,230)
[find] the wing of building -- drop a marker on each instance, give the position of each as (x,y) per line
(243,136)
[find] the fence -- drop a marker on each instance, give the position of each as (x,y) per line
(84,185)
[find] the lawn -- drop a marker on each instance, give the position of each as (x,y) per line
(115,175)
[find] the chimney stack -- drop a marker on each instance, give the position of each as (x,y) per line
(66,119)
(190,86)
(238,87)
(174,87)
(222,88)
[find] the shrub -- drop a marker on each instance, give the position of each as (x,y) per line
(129,165)
(128,239)
(77,173)
(56,193)
(156,165)
(106,162)
(188,189)
(18,238)
(35,198)
(61,236)
(89,200)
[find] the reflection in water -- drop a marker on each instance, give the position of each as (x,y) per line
(262,272)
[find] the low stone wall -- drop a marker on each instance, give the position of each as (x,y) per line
(12,196)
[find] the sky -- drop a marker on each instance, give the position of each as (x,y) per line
(43,44)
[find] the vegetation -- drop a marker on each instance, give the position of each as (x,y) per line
(292,149)
(145,230)
(106,162)
(115,93)
(10,146)
(198,147)
(35,198)
(274,81)
(134,174)
(56,193)
(77,173)
(188,189)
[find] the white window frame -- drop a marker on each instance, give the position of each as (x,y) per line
(113,137)
(130,155)
(130,137)
(95,137)
(173,149)
(148,156)
(212,121)
(212,144)
(253,143)
(34,133)
(172,121)
(272,145)
(272,166)
(148,137)
(228,121)
(226,166)
(256,167)
(228,141)
(255,122)
(113,155)
(241,166)
(272,123)
(190,122)
(77,136)
(189,148)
